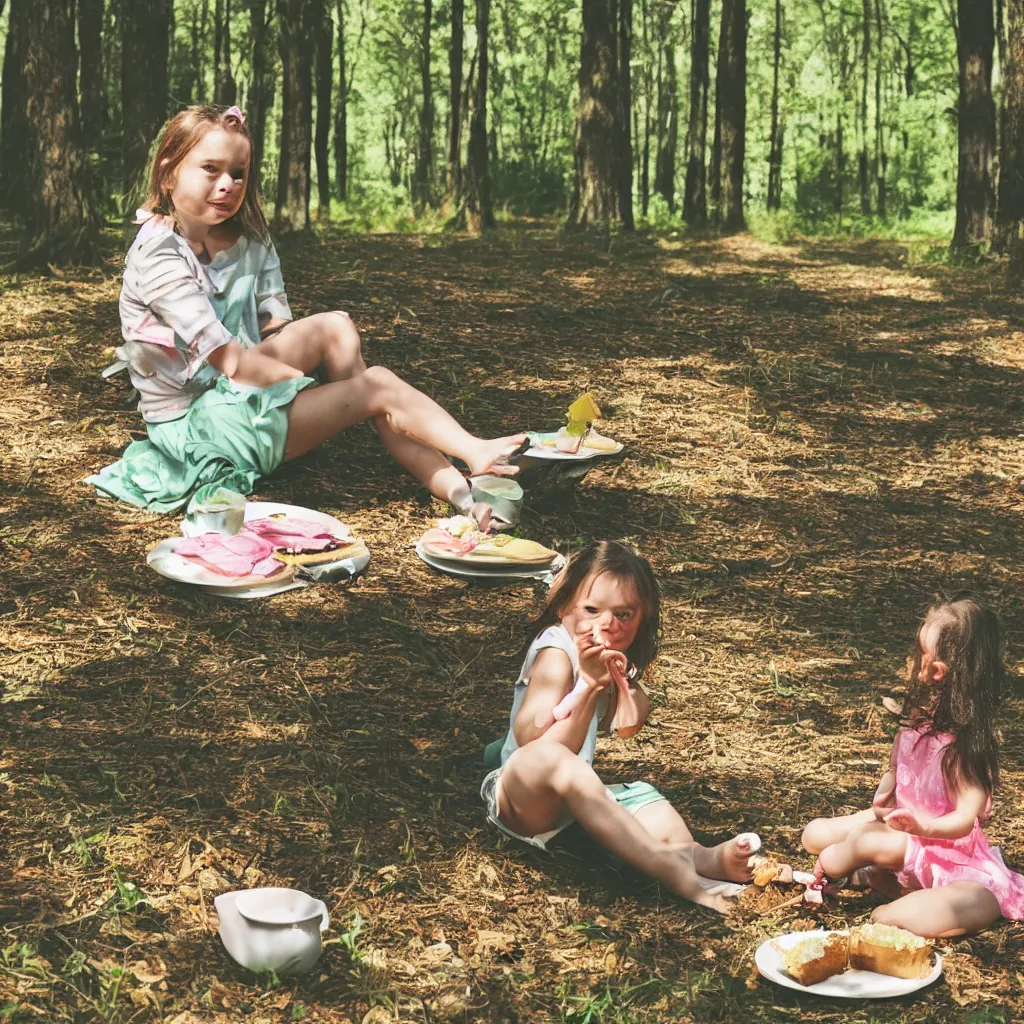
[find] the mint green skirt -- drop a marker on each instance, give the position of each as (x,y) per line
(230,435)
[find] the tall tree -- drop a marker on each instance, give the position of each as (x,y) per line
(455,55)
(341,111)
(145,47)
(292,207)
(731,115)
(668,113)
(774,201)
(602,139)
(90,40)
(881,160)
(1011,149)
(625,62)
(479,208)
(324,31)
(14,126)
(58,206)
(261,82)
(695,203)
(976,123)
(225,91)
(863,162)
(423,175)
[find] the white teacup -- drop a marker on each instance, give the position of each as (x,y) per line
(272,929)
(222,512)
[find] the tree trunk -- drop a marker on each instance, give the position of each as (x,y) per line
(324,81)
(625,107)
(668,121)
(881,160)
(863,163)
(479,212)
(455,56)
(225,91)
(731,114)
(645,150)
(775,145)
(976,123)
(423,174)
(90,38)
(59,207)
(341,112)
(292,208)
(14,126)
(602,139)
(695,202)
(145,46)
(1011,150)
(838,198)
(261,86)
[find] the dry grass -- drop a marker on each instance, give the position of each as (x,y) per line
(820,440)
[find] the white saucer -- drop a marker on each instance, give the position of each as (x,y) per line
(552,454)
(497,572)
(848,985)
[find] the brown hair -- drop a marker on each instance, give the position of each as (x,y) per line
(176,140)
(625,565)
(968,641)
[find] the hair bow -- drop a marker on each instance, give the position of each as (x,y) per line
(234,111)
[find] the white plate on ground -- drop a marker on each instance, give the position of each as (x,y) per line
(163,559)
(552,454)
(848,985)
(497,572)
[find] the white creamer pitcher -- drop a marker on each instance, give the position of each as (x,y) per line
(272,929)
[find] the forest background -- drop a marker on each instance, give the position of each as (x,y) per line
(824,115)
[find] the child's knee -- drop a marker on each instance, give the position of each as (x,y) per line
(888,913)
(815,837)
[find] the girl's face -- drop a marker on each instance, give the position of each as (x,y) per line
(208,186)
(608,603)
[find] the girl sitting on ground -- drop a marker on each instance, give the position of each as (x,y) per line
(596,636)
(922,839)
(221,367)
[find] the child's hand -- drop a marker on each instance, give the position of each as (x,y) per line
(903,819)
(884,799)
(596,658)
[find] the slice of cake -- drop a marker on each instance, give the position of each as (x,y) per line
(816,957)
(885,949)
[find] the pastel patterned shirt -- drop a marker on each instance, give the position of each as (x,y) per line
(176,310)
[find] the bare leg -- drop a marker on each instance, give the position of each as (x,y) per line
(332,341)
(727,860)
(824,832)
(938,913)
(543,778)
(872,844)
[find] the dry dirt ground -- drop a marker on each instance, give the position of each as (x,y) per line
(820,439)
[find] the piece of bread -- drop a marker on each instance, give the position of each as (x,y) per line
(816,957)
(345,549)
(599,443)
(511,549)
(885,949)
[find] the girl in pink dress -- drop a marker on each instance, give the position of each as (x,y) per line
(922,838)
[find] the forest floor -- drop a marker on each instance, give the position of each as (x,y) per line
(820,438)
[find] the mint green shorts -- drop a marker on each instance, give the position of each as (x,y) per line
(629,795)
(230,435)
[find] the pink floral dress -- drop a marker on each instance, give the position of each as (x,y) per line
(929,863)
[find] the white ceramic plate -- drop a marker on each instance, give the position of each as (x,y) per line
(506,571)
(487,561)
(552,454)
(163,559)
(848,985)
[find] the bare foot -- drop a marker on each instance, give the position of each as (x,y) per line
(716,902)
(728,860)
(696,892)
(492,456)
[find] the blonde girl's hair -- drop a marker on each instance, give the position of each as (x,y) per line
(624,564)
(177,138)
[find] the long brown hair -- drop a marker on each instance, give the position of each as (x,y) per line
(625,565)
(964,704)
(177,139)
